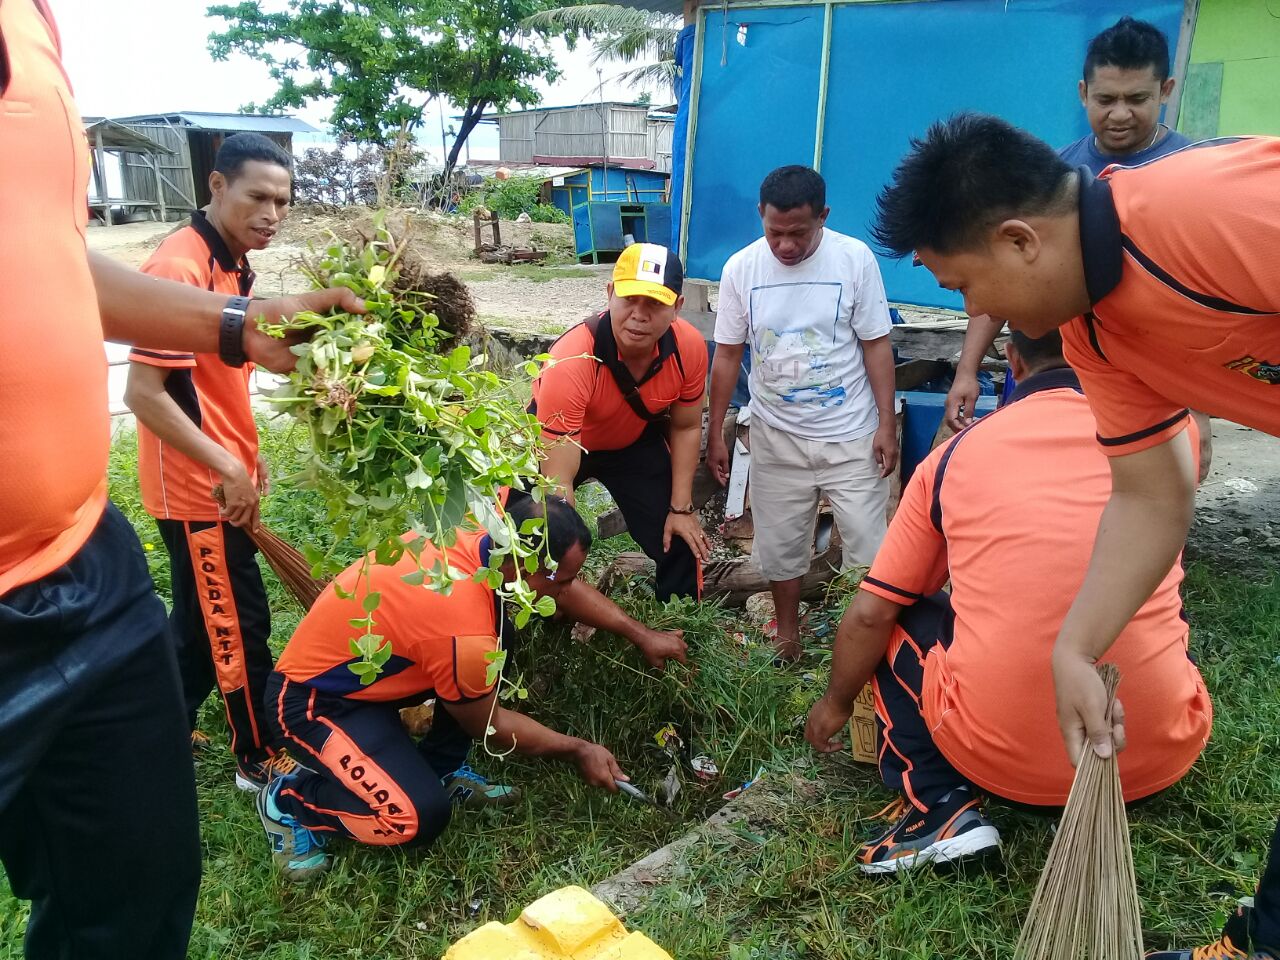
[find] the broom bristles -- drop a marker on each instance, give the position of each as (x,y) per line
(290,566)
(1086,904)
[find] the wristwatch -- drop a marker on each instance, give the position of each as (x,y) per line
(686,511)
(231,332)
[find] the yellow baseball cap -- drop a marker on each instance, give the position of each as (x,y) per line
(649,270)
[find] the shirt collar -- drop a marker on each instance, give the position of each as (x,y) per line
(1099,236)
(217,246)
(1057,378)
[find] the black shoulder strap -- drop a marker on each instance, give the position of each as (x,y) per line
(605,348)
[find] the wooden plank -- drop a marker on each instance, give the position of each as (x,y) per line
(101,157)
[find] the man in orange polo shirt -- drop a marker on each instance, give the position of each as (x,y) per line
(962,682)
(98,820)
(196,432)
(623,405)
(362,777)
(1165,280)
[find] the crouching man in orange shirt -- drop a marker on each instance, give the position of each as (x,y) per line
(362,775)
(963,683)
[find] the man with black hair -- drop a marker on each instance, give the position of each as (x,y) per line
(1126,82)
(196,432)
(962,680)
(1164,281)
(361,775)
(622,404)
(812,303)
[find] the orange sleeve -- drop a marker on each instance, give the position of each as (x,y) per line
(464,677)
(912,560)
(184,271)
(693,355)
(1131,417)
(561,395)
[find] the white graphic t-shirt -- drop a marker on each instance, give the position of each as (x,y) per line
(804,323)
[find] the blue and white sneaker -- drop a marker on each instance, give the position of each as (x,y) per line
(468,789)
(297,851)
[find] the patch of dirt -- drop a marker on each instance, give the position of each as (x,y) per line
(443,242)
(1237,522)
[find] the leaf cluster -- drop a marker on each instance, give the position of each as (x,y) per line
(408,443)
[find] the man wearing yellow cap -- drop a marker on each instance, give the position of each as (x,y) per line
(623,405)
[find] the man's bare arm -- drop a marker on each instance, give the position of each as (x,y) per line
(724,376)
(167,315)
(978,339)
(1142,529)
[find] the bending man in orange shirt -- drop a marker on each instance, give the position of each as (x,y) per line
(196,432)
(623,405)
(362,775)
(1165,281)
(962,681)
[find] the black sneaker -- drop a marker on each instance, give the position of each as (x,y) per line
(1232,945)
(953,829)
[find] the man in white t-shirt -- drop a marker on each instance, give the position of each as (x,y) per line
(812,303)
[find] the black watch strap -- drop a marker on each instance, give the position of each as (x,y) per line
(231,332)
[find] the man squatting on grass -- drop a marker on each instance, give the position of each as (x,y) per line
(812,303)
(361,775)
(1126,82)
(1165,282)
(622,404)
(90,708)
(196,432)
(962,680)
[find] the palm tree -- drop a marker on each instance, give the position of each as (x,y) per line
(621,34)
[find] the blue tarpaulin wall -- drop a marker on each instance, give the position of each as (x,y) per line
(894,69)
(685,46)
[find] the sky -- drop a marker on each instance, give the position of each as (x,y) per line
(128,57)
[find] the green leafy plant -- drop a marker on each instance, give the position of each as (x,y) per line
(511,197)
(405,437)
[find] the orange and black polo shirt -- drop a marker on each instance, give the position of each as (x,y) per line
(438,642)
(214,395)
(577,396)
(55,432)
(1181,263)
(1006,511)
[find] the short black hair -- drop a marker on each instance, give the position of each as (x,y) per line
(966,175)
(794,186)
(1039,353)
(1130,45)
(238,149)
(565,527)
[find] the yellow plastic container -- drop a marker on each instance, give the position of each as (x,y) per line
(569,924)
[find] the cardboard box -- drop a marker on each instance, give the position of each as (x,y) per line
(862,727)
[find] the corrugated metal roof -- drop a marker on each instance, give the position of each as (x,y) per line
(116,136)
(238,122)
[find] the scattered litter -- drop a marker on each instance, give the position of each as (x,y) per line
(671,786)
(704,767)
(741,639)
(1210,519)
(821,628)
(474,907)
(738,791)
(1241,485)
(668,739)
(809,678)
(1239,541)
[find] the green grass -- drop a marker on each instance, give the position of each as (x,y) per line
(785,884)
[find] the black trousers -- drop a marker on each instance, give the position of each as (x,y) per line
(364,777)
(638,478)
(1266,902)
(220,625)
(910,762)
(98,820)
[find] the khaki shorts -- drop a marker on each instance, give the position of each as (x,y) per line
(788,475)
